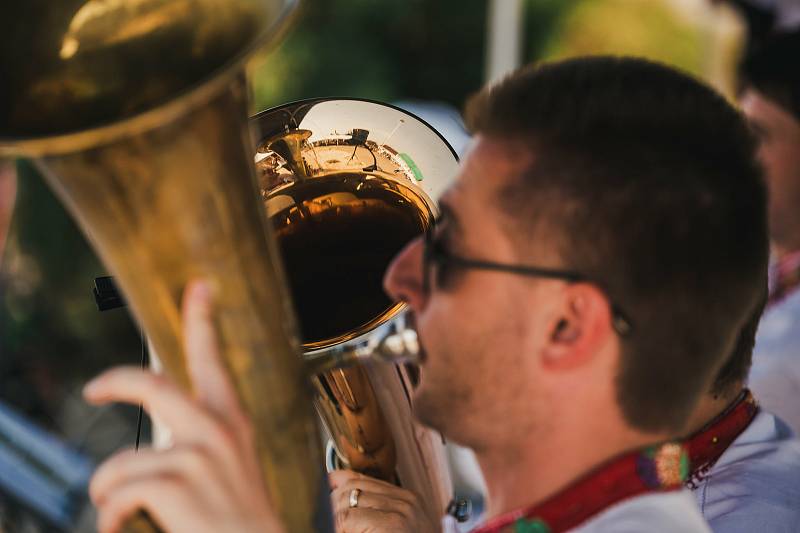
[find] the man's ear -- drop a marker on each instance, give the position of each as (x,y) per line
(580,328)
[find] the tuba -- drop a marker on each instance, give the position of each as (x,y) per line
(346,184)
(136,111)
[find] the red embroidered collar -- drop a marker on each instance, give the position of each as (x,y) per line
(707,445)
(654,469)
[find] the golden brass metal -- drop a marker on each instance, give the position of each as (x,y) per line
(136,111)
(289,146)
(342,206)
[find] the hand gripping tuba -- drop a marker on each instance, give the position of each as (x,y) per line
(346,184)
(136,112)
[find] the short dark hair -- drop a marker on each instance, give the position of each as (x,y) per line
(772,69)
(647,181)
(735,370)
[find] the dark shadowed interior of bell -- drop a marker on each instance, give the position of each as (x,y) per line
(338,233)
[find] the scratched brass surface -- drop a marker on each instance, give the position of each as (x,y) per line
(136,111)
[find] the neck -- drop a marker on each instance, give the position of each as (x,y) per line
(526,472)
(711,406)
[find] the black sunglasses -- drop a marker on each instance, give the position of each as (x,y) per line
(435,255)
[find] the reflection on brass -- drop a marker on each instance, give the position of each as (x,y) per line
(289,146)
(394,342)
(349,407)
(137,113)
(341,213)
(342,206)
(339,224)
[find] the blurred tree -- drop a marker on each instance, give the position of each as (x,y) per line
(390,50)
(693,35)
(51,335)
(382,50)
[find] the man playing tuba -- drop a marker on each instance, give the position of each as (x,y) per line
(595,260)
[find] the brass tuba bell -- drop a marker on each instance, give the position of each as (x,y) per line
(347,183)
(136,111)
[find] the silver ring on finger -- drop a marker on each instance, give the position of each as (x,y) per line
(354,494)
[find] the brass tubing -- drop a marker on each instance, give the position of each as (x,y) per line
(179,202)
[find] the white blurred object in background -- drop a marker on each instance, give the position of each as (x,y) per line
(444,118)
(504,38)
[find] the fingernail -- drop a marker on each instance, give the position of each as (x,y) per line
(202,291)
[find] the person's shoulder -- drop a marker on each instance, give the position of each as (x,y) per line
(775,373)
(766,453)
(666,512)
(756,482)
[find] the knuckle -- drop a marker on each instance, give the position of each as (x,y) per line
(220,436)
(396,522)
(119,458)
(194,458)
(343,476)
(244,426)
(342,517)
(157,381)
(163,483)
(158,378)
(152,387)
(344,499)
(407,495)
(405,508)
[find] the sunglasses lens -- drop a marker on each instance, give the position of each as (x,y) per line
(431,262)
(438,267)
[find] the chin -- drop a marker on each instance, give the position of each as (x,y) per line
(427,410)
(439,409)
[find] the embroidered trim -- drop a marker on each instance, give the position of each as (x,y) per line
(657,468)
(707,445)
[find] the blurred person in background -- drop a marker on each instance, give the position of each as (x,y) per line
(771,101)
(582,369)
(764,17)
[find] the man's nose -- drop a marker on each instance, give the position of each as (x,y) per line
(403,280)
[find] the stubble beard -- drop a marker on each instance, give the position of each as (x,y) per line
(444,408)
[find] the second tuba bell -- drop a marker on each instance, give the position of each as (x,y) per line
(346,184)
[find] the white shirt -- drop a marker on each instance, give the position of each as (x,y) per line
(663,512)
(755,484)
(775,375)
(667,512)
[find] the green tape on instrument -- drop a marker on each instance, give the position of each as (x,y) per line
(413,166)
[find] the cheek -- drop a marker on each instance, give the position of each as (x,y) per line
(475,334)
